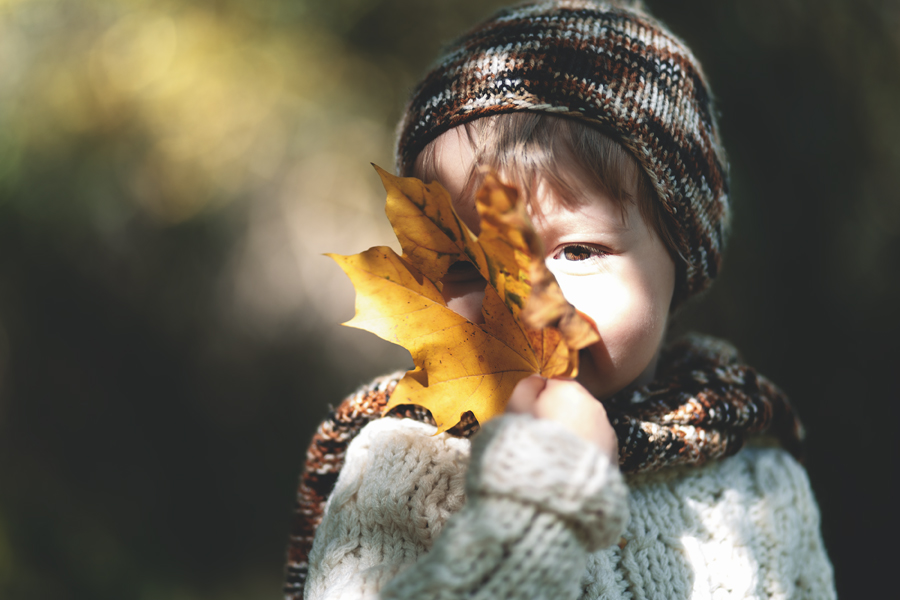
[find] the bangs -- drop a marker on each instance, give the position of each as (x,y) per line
(526,149)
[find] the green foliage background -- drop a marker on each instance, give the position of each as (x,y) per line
(171,171)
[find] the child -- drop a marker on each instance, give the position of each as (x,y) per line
(603,120)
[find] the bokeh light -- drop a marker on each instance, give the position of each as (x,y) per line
(172,172)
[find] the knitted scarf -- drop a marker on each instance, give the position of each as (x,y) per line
(703,405)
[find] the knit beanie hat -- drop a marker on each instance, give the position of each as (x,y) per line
(613,67)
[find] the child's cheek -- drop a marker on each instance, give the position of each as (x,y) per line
(623,311)
(595,295)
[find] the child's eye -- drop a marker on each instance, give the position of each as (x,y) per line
(578,252)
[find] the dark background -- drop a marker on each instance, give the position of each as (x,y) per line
(171,171)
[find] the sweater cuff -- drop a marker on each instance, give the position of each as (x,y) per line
(540,462)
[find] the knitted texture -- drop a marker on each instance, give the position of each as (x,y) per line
(611,67)
(416,515)
(703,405)
(395,472)
(325,459)
(570,479)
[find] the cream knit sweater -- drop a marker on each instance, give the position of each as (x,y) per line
(531,511)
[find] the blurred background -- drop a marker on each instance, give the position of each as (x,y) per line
(171,172)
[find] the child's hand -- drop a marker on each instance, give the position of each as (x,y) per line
(567,402)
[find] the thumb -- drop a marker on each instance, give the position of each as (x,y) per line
(525,394)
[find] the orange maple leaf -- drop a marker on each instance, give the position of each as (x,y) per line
(463,366)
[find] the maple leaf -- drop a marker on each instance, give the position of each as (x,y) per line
(462,366)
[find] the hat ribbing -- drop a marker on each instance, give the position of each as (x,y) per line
(612,67)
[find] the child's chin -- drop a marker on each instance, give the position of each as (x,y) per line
(590,375)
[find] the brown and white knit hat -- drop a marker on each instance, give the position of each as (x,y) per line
(612,66)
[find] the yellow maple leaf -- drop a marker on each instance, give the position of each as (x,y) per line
(463,366)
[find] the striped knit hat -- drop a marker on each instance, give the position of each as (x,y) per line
(612,67)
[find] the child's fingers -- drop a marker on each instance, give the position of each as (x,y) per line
(525,395)
(569,403)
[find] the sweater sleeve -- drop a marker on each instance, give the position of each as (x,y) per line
(527,511)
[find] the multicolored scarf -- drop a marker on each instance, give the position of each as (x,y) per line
(703,405)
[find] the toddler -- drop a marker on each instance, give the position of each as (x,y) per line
(627,482)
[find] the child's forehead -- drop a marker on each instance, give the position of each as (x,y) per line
(580,206)
(561,196)
(550,180)
(449,160)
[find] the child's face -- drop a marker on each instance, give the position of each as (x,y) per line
(610,264)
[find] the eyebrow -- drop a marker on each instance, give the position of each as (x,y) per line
(623,228)
(620,225)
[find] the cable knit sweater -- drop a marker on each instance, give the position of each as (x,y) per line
(527,510)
